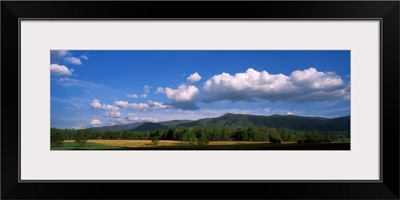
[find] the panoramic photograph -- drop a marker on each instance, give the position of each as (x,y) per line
(200,100)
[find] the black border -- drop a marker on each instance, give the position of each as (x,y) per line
(387,11)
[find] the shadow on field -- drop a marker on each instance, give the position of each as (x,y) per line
(265,146)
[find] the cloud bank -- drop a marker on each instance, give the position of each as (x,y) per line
(301,86)
(56,56)
(60,70)
(133,118)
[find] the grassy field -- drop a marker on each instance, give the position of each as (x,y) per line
(179,145)
(71,145)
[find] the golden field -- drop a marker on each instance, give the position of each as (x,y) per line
(148,143)
(213,145)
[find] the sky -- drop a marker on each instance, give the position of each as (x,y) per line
(101,88)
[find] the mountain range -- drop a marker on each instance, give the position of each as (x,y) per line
(293,122)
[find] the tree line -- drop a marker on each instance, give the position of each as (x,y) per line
(202,135)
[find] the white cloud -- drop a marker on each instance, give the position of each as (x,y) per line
(84,57)
(160,90)
(289,113)
(184,97)
(60,70)
(194,78)
(114,114)
(312,79)
(183,93)
(143,95)
(73,60)
(157,105)
(133,118)
(149,105)
(141,106)
(134,96)
(300,86)
(123,104)
(138,106)
(67,80)
(56,55)
(95,104)
(95,122)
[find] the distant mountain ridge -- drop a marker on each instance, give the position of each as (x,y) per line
(121,127)
(293,122)
(146,126)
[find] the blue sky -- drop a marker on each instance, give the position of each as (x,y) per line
(101,88)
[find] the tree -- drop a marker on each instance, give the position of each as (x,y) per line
(189,137)
(203,140)
(56,138)
(80,138)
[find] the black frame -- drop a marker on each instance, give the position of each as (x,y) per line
(386,11)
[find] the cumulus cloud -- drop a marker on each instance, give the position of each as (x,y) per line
(133,118)
(300,86)
(73,60)
(114,114)
(134,96)
(60,70)
(184,97)
(194,78)
(95,104)
(143,95)
(84,57)
(138,106)
(157,105)
(95,122)
(141,106)
(123,104)
(56,55)
(311,79)
(183,93)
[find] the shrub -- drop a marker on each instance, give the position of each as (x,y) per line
(274,141)
(192,140)
(203,140)
(155,140)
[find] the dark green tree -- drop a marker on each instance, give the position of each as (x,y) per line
(56,138)
(80,138)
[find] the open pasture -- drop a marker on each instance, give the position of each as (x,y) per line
(213,145)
